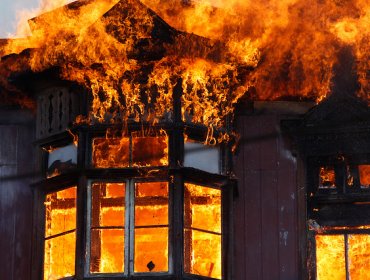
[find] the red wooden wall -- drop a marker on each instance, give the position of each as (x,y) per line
(266,210)
(16,171)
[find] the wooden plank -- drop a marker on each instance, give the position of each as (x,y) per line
(23,225)
(269,226)
(253,225)
(287,209)
(7,222)
(8,150)
(249,143)
(268,142)
(239,212)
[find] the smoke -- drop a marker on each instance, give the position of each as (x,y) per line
(23,15)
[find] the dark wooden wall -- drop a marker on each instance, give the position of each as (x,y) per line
(266,210)
(16,199)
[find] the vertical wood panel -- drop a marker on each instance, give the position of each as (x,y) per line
(269,232)
(16,171)
(239,217)
(253,225)
(267,184)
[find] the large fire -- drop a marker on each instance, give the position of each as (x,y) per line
(338,255)
(130,59)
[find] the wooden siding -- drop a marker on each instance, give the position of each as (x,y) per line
(16,170)
(265,211)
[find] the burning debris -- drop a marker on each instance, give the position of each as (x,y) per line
(130,58)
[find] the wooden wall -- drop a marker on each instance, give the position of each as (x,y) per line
(16,199)
(266,210)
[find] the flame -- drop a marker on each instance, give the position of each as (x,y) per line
(107,244)
(130,60)
(60,225)
(359,254)
(330,257)
(151,227)
(327,177)
(364,171)
(202,231)
(110,152)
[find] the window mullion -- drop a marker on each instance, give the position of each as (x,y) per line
(346,256)
(131,226)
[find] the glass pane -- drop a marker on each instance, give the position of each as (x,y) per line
(59,258)
(151,249)
(327,178)
(60,211)
(151,243)
(202,208)
(203,157)
(61,159)
(107,250)
(111,152)
(204,250)
(364,171)
(151,204)
(108,204)
(330,257)
(150,151)
(359,256)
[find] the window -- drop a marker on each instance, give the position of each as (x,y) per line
(114,226)
(339,222)
(343,253)
(138,214)
(60,234)
(202,231)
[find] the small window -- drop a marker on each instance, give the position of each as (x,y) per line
(61,159)
(364,171)
(202,231)
(130,151)
(60,234)
(203,157)
(327,177)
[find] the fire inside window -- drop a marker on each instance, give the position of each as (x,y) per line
(340,248)
(132,224)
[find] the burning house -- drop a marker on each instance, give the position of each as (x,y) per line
(178,140)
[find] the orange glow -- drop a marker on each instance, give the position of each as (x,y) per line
(327,178)
(150,151)
(364,171)
(330,257)
(107,244)
(110,152)
(359,255)
(203,231)
(151,227)
(107,251)
(60,242)
(130,60)
(151,246)
(115,152)
(60,257)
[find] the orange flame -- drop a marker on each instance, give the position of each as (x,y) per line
(130,59)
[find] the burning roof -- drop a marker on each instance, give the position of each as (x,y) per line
(130,58)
